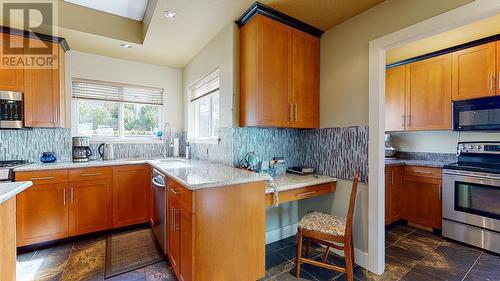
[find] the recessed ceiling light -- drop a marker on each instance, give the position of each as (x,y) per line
(126,46)
(169,14)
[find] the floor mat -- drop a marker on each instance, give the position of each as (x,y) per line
(131,250)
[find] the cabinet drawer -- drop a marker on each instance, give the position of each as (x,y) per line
(300,193)
(87,174)
(426,172)
(43,177)
(180,193)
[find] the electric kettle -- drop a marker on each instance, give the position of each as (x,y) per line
(106,151)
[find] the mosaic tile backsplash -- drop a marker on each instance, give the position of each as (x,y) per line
(28,144)
(338,152)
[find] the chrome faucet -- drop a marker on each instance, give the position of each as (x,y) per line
(168,138)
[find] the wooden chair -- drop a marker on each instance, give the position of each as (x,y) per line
(330,231)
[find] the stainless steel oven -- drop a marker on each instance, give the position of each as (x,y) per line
(11,110)
(471,197)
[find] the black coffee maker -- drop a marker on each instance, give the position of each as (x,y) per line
(81,149)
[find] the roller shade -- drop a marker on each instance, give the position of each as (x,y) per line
(206,85)
(108,91)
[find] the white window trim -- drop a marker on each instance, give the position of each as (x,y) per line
(193,115)
(121,138)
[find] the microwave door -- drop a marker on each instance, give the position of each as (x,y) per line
(477,115)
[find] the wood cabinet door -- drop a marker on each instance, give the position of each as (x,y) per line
(474,72)
(90,206)
(8,239)
(395,83)
(42,90)
(174,240)
(498,68)
(388,184)
(131,188)
(186,245)
(428,94)
(421,198)
(274,69)
(305,80)
(11,74)
(42,214)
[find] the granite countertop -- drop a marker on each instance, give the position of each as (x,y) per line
(413,162)
(196,174)
(11,189)
(290,181)
(72,165)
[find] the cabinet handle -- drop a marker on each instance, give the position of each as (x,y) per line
(403,120)
(172,219)
(291,111)
(492,86)
(175,192)
(71,196)
(295,111)
(409,119)
(498,80)
(392,178)
(64,197)
(90,174)
(440,191)
(41,178)
(305,193)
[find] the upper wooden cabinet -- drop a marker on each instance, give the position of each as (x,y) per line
(11,79)
(279,75)
(395,98)
(474,72)
(428,94)
(44,104)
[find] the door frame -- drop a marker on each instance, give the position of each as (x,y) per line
(469,13)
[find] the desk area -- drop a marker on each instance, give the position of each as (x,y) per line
(292,187)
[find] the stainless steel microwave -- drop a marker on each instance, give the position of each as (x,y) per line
(11,110)
(481,114)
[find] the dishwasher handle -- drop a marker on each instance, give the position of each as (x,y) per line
(158,183)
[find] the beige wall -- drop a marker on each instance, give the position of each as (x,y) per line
(344,56)
(464,34)
(90,66)
(220,53)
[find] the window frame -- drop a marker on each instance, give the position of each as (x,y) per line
(194,113)
(121,125)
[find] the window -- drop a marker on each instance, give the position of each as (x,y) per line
(111,111)
(204,99)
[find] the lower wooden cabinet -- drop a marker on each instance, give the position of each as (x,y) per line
(174,233)
(421,196)
(90,206)
(131,195)
(8,239)
(393,182)
(63,203)
(42,213)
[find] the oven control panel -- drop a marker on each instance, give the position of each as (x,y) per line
(479,147)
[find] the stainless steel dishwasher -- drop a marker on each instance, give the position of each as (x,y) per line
(159,218)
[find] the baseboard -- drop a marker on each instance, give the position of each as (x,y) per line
(281,233)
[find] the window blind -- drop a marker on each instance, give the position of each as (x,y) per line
(108,91)
(206,85)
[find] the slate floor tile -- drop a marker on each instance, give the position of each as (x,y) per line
(408,257)
(487,267)
(290,276)
(418,275)
(394,270)
(446,264)
(418,243)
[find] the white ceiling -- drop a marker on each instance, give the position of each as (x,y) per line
(132,9)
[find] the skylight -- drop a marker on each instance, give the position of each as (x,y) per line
(132,9)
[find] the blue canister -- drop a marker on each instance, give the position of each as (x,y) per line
(48,157)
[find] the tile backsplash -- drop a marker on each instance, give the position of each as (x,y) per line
(338,152)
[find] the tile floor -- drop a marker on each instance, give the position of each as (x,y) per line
(411,255)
